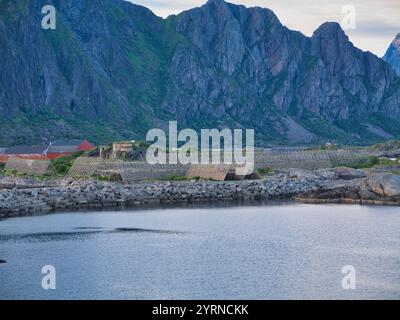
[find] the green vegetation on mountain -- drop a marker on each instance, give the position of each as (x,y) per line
(113,70)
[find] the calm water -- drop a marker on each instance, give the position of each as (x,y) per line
(256,252)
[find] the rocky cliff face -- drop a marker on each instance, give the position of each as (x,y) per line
(392,55)
(112,70)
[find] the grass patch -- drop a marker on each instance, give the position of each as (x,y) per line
(367,163)
(370,162)
(62,165)
(176,178)
(388,162)
(266,171)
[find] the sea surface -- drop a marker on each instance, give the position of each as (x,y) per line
(278,251)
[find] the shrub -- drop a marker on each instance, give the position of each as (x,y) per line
(266,171)
(175,178)
(62,165)
(367,163)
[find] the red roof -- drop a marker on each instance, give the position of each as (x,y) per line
(55,155)
(86,146)
(30,156)
(6,157)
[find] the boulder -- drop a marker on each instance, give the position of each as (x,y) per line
(334,193)
(327,174)
(302,174)
(349,173)
(384,184)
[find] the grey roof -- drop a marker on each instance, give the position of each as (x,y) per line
(58,146)
(25,150)
(65,146)
(62,149)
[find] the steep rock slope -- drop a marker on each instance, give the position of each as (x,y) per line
(392,55)
(112,70)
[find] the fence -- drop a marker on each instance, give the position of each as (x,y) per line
(139,171)
(28,166)
(217,172)
(85,167)
(307,159)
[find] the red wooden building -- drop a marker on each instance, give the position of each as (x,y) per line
(56,149)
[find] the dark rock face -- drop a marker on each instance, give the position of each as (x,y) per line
(349,173)
(332,194)
(392,55)
(112,70)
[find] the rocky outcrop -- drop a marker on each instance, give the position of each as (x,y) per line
(112,70)
(383,184)
(349,173)
(392,55)
(375,188)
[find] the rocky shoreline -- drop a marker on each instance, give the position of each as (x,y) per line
(29,196)
(381,188)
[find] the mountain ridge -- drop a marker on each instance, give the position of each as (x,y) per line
(113,70)
(392,55)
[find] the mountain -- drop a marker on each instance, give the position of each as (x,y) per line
(392,55)
(112,70)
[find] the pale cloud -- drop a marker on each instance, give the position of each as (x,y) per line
(378,21)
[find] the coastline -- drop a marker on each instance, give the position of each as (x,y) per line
(22,196)
(88,195)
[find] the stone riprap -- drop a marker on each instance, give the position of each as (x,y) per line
(89,194)
(28,196)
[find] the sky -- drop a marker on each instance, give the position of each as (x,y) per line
(375,23)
